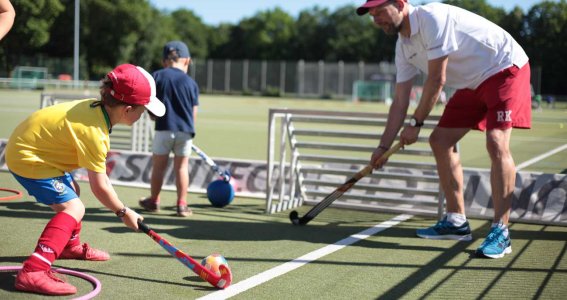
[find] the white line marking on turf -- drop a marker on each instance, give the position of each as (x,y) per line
(272,273)
(541,157)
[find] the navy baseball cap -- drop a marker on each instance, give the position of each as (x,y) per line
(178,46)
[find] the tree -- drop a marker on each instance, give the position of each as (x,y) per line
(218,39)
(314,30)
(111,31)
(267,35)
(480,7)
(31,29)
(514,24)
(546,25)
(190,29)
(60,43)
(357,38)
(158,30)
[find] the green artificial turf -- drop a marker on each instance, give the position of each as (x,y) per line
(393,264)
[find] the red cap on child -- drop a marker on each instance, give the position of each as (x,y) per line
(133,85)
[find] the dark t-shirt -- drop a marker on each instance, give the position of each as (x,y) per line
(179,93)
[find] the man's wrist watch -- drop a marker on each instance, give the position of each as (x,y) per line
(121,213)
(415,123)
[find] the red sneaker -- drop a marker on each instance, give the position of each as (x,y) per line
(84,252)
(43,282)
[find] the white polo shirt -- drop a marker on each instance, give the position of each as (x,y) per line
(476,47)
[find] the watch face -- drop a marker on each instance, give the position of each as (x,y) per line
(413,122)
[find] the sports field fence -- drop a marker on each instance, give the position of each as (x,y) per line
(301,79)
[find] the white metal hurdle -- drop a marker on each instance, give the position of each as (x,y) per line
(325,148)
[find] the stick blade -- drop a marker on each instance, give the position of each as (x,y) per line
(226,277)
(294,218)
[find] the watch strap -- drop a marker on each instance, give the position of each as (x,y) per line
(415,122)
(121,213)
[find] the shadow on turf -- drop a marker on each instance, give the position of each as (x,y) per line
(7,280)
(192,278)
(326,230)
(25,205)
(189,229)
(235,226)
(441,262)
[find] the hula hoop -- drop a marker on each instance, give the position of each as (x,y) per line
(17,195)
(95,282)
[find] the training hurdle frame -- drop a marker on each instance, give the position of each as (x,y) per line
(314,151)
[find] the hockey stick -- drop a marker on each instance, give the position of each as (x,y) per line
(311,214)
(224,174)
(221,282)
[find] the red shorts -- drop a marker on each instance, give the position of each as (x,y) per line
(500,102)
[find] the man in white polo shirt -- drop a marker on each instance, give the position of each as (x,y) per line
(491,73)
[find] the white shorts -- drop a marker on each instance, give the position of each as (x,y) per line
(167,141)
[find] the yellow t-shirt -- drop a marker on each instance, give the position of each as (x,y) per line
(58,139)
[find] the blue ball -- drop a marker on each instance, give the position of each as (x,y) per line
(220,193)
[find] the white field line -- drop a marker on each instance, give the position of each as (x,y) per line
(540,157)
(272,273)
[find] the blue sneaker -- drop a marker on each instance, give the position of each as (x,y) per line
(496,244)
(445,230)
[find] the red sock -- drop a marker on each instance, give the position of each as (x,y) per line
(51,242)
(75,240)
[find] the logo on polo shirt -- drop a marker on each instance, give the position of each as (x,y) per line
(504,116)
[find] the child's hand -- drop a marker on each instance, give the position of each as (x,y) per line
(130,219)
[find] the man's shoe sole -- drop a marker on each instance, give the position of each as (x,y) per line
(462,238)
(508,250)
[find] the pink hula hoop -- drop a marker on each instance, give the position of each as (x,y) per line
(16,194)
(95,282)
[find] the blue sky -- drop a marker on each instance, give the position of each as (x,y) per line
(213,12)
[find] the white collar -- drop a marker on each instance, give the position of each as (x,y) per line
(412,15)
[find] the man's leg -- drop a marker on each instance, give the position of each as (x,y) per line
(502,173)
(502,180)
(449,169)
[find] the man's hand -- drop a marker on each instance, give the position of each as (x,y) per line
(409,135)
(376,155)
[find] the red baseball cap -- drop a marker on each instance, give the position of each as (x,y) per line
(134,85)
(363,9)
